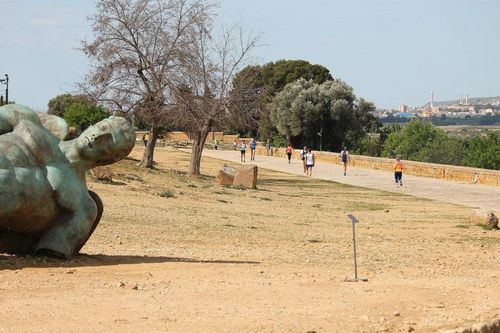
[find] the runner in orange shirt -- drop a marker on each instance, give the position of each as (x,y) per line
(398,171)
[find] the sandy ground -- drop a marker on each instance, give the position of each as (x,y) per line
(175,254)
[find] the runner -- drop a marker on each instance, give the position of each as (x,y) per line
(289,151)
(398,171)
(243,150)
(344,158)
(303,154)
(309,162)
(253,144)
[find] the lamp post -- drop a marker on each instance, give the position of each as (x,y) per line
(6,82)
(320,134)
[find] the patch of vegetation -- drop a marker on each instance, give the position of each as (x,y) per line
(488,240)
(229,225)
(421,141)
(222,200)
(37,259)
(370,206)
(464,226)
(484,226)
(239,187)
(167,194)
(314,240)
(133,177)
(266,199)
(192,185)
(316,205)
(290,195)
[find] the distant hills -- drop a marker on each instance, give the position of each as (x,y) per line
(471,100)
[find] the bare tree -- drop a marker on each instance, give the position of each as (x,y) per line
(203,86)
(137,50)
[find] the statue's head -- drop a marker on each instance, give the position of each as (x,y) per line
(108,141)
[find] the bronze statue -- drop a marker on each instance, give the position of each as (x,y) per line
(45,206)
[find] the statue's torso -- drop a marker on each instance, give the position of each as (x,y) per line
(29,145)
(34,174)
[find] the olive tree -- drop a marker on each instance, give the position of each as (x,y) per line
(269,80)
(308,110)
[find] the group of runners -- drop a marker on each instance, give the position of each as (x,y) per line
(308,159)
(243,149)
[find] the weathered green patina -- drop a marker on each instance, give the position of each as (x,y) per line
(45,206)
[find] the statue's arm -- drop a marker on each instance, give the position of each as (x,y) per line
(67,234)
(78,213)
(12,114)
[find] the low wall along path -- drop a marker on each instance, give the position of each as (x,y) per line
(439,171)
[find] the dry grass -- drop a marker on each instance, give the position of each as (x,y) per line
(293,239)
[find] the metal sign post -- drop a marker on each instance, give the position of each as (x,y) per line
(356,279)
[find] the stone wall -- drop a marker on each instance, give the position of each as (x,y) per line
(229,138)
(176,136)
(184,136)
(441,171)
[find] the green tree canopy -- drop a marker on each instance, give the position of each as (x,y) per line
(78,110)
(60,104)
(327,112)
(421,141)
(268,80)
(276,75)
(484,152)
(82,115)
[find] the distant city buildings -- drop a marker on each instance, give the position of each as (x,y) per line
(464,107)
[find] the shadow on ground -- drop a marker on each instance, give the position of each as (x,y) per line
(10,262)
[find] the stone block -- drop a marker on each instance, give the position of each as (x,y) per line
(226,175)
(246,176)
(481,216)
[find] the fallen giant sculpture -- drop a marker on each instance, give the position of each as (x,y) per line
(45,206)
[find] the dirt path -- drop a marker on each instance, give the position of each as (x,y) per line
(471,195)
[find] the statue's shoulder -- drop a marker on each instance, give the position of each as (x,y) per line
(56,125)
(39,144)
(12,114)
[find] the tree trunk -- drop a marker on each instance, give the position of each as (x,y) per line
(147,157)
(199,138)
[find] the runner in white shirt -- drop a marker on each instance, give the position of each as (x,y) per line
(309,162)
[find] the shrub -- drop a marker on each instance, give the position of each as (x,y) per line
(166,194)
(102,174)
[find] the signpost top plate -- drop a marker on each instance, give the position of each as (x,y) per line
(353,218)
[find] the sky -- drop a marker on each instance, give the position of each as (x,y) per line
(391,52)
